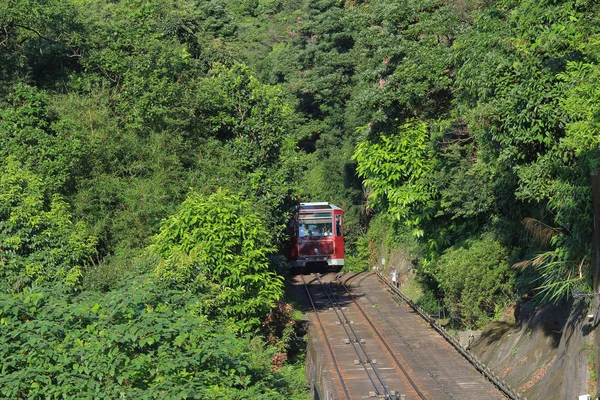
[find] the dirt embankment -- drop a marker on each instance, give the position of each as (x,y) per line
(548,354)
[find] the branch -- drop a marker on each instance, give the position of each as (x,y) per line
(451,141)
(76,53)
(5,34)
(37,33)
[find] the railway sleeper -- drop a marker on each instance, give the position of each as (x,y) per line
(372,361)
(394,395)
(361,341)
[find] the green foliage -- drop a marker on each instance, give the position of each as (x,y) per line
(559,273)
(217,245)
(468,186)
(28,132)
(528,113)
(39,244)
(476,280)
(252,117)
(142,51)
(429,302)
(397,172)
(360,260)
(140,341)
(121,107)
(38,41)
(252,141)
(581,104)
(404,60)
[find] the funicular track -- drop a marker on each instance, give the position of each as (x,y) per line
(327,342)
(381,337)
(379,386)
(392,347)
(400,297)
(393,328)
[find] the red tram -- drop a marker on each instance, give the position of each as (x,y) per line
(317,236)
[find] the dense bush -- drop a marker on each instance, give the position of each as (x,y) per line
(39,243)
(138,342)
(217,246)
(429,302)
(110,112)
(476,280)
(358,261)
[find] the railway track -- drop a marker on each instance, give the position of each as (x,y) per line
(342,309)
(412,350)
(383,340)
(379,349)
(329,347)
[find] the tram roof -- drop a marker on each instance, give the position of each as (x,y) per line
(322,205)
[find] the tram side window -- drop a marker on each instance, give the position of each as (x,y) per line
(338,225)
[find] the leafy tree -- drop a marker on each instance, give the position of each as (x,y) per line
(581,104)
(253,139)
(28,132)
(252,117)
(38,41)
(143,52)
(397,171)
(562,177)
(404,56)
(516,91)
(468,185)
(217,246)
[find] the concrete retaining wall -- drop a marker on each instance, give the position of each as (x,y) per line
(319,376)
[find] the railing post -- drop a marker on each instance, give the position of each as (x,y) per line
(595,180)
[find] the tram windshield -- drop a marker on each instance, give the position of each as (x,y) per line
(317,224)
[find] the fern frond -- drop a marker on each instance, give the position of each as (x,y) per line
(540,230)
(557,277)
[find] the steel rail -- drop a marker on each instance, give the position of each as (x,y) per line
(344,321)
(389,349)
(337,369)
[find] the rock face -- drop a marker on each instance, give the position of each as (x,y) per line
(548,354)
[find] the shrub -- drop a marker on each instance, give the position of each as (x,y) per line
(359,261)
(39,243)
(218,247)
(140,341)
(429,302)
(476,280)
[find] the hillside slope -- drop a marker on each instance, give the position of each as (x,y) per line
(547,354)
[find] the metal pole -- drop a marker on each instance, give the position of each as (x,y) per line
(596,241)
(596,202)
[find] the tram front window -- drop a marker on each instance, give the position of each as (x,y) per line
(314,229)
